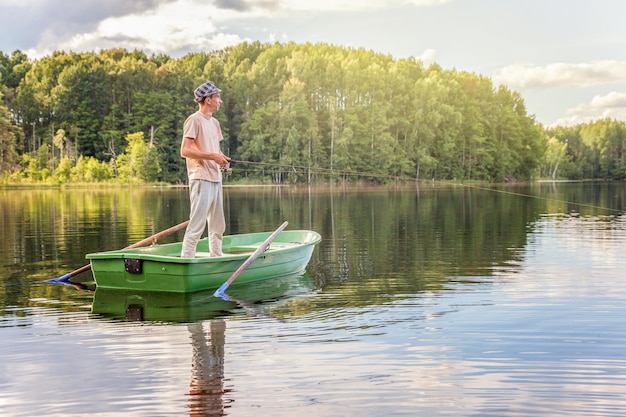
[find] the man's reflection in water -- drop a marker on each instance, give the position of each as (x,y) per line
(206,390)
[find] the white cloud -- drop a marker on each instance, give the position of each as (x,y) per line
(354,5)
(179,26)
(582,75)
(612,105)
(23,4)
(429,56)
(183,25)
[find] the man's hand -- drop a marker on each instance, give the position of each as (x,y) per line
(222,160)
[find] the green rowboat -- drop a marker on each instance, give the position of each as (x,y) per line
(160,267)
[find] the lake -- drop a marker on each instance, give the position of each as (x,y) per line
(421,300)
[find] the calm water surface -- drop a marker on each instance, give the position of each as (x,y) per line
(419,301)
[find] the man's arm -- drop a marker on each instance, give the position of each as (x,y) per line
(189,149)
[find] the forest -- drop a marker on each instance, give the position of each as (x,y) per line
(291,113)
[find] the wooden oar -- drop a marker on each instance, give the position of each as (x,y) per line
(147,241)
(220,291)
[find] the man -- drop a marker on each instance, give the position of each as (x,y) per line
(201,147)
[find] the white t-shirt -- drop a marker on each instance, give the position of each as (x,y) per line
(207,133)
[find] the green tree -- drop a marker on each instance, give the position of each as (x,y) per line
(556,154)
(60,141)
(605,140)
(63,172)
(9,135)
(82,99)
(139,161)
(89,169)
(13,68)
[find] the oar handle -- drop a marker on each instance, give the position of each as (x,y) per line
(153,239)
(256,253)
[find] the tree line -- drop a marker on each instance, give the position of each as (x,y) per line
(291,113)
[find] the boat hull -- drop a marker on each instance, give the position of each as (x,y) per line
(160,267)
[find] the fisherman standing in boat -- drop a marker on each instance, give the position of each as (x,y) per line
(201,148)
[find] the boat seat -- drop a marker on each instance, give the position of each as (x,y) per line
(246,250)
(208,254)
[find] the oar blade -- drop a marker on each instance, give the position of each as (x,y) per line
(61,280)
(221,291)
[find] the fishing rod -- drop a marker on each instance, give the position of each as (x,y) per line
(293,167)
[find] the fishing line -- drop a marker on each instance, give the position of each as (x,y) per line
(405,178)
(555,200)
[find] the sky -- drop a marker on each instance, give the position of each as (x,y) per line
(567,58)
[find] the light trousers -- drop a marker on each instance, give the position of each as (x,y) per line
(206,209)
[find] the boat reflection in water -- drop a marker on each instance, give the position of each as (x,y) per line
(203,313)
(176,307)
